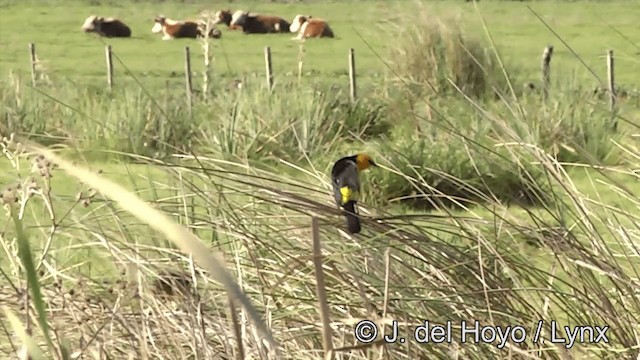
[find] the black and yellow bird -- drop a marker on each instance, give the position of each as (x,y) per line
(345,178)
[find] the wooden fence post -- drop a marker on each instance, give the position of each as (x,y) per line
(321,290)
(109,57)
(269,67)
(188,80)
(352,74)
(611,80)
(612,88)
(546,70)
(32,61)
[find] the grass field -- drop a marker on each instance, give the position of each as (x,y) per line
(519,35)
(491,203)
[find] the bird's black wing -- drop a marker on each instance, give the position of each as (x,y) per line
(344,173)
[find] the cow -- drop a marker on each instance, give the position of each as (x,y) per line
(309,27)
(107,27)
(177,29)
(225,17)
(259,24)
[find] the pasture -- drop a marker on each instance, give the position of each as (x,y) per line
(492,202)
(78,57)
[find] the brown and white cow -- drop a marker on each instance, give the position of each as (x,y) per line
(225,17)
(107,27)
(259,24)
(309,27)
(177,29)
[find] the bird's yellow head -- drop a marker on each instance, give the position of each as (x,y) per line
(364,161)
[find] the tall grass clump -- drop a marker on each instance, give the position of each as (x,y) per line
(445,148)
(238,123)
(290,126)
(432,53)
(571,125)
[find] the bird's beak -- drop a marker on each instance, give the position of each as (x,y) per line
(372,163)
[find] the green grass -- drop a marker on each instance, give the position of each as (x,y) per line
(519,35)
(489,205)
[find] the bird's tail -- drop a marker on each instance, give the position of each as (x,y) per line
(353,221)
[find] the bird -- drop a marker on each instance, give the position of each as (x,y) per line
(345,179)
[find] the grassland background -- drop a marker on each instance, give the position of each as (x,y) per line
(519,35)
(264,165)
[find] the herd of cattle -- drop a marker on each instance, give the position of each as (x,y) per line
(249,23)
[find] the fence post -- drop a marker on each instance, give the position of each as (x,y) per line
(612,88)
(352,74)
(188,80)
(546,70)
(32,62)
(321,290)
(109,57)
(611,80)
(269,67)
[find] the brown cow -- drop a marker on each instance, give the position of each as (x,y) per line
(259,24)
(176,29)
(107,27)
(308,27)
(225,17)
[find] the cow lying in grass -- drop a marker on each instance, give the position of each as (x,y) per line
(309,27)
(107,27)
(225,17)
(177,29)
(259,24)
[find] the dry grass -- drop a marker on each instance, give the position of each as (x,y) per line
(435,53)
(439,268)
(182,238)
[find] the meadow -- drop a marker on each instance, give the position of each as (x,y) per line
(139,227)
